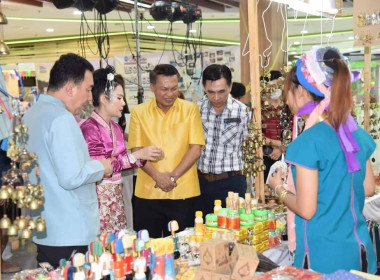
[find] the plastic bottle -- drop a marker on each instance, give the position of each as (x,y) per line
(217,206)
(222,218)
(198,223)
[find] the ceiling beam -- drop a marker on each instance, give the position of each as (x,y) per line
(28,2)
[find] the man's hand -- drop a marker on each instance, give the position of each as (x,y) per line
(164,182)
(108,170)
(276,153)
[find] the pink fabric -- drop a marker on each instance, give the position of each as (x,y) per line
(107,141)
(311,120)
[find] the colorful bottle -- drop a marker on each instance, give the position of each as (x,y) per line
(222,218)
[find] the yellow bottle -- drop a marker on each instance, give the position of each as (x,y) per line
(198,223)
(217,206)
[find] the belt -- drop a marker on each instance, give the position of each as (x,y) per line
(216,177)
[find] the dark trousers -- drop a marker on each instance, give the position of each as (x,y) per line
(268,163)
(210,191)
(53,254)
(155,214)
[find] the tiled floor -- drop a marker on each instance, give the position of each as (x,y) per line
(25,257)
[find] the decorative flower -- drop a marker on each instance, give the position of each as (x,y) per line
(110,77)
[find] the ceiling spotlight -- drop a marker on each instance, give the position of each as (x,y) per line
(176,12)
(49,30)
(106,6)
(150,27)
(191,14)
(4,49)
(160,10)
(63,4)
(85,5)
(3,18)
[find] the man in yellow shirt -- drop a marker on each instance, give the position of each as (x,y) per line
(166,189)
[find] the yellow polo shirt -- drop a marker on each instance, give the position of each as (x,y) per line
(173,132)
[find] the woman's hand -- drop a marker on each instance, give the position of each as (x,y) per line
(276,178)
(151,153)
(276,153)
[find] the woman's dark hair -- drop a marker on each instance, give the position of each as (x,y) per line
(163,69)
(102,85)
(215,72)
(68,68)
(237,90)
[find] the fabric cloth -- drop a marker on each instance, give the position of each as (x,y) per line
(173,132)
(332,239)
(111,207)
(272,126)
(67,174)
(224,135)
(157,217)
(106,140)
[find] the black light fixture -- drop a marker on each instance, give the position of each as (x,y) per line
(191,14)
(106,6)
(63,4)
(176,12)
(160,10)
(85,5)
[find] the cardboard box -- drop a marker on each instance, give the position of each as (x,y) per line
(201,274)
(225,275)
(244,262)
(214,255)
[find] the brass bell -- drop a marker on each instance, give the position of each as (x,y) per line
(12,230)
(26,233)
(22,223)
(10,189)
(34,205)
(20,192)
(40,226)
(32,224)
(4,193)
(5,222)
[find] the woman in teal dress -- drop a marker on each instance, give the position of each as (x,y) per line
(330,167)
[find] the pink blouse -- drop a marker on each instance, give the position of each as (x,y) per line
(107,141)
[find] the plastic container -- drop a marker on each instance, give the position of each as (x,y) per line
(260,215)
(246,220)
(222,218)
(198,223)
(212,220)
(271,221)
(233,219)
(217,206)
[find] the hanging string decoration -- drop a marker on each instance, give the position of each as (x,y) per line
(16,184)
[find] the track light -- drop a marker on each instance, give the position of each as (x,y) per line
(160,10)
(176,12)
(191,14)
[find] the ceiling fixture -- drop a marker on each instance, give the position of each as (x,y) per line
(160,10)
(174,11)
(326,8)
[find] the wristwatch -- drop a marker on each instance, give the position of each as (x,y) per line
(132,159)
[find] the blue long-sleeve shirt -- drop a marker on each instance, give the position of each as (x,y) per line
(67,173)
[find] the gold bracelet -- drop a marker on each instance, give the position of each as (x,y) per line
(278,186)
(282,196)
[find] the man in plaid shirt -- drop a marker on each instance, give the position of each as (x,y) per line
(224,122)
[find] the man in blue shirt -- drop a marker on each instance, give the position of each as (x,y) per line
(67,173)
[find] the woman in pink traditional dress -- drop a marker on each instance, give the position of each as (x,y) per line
(105,139)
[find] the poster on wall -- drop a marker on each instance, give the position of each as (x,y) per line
(189,66)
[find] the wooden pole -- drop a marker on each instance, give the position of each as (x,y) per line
(255,84)
(367,85)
